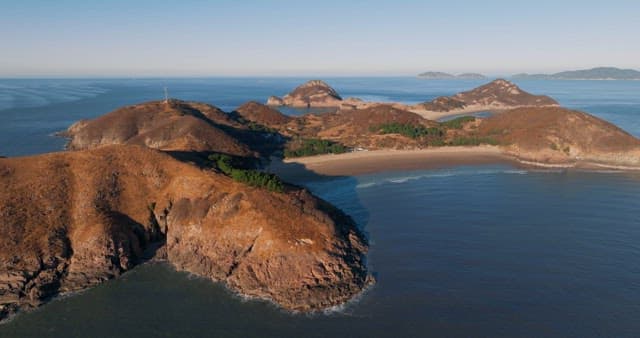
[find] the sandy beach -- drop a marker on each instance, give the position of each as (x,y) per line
(364,162)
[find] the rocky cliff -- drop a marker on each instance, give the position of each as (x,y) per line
(75,219)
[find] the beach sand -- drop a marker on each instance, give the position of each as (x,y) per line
(365,162)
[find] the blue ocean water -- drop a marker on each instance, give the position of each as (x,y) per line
(471,251)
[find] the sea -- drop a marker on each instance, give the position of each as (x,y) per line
(464,251)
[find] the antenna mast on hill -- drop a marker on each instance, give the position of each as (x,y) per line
(166,95)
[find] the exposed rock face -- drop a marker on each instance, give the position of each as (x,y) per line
(174,125)
(562,136)
(275,101)
(261,114)
(496,95)
(72,220)
(314,93)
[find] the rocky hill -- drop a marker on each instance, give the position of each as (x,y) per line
(171,126)
(599,73)
(314,93)
(262,114)
(497,95)
(556,135)
(75,219)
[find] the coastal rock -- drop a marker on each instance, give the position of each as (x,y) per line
(312,94)
(75,219)
(275,101)
(555,135)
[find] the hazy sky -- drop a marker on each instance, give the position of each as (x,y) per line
(221,38)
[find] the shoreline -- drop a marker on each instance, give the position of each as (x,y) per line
(309,168)
(374,161)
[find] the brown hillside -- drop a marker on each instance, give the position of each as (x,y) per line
(496,95)
(74,219)
(176,125)
(502,92)
(559,135)
(353,127)
(262,114)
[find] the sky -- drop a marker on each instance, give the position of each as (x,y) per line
(66,38)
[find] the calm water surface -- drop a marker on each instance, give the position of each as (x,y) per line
(465,251)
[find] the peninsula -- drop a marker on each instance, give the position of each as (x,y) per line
(72,220)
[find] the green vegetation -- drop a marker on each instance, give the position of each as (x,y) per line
(436,136)
(408,130)
(254,178)
(261,128)
(472,141)
(458,122)
(310,147)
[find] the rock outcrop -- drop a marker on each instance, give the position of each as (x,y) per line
(171,126)
(75,219)
(312,94)
(561,136)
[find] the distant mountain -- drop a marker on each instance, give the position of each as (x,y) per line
(436,76)
(471,76)
(447,76)
(600,73)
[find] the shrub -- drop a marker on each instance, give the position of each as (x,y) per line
(223,162)
(472,141)
(310,147)
(458,122)
(254,178)
(408,130)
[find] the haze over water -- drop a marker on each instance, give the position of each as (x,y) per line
(466,251)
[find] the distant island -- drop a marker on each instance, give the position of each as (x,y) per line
(600,73)
(447,76)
